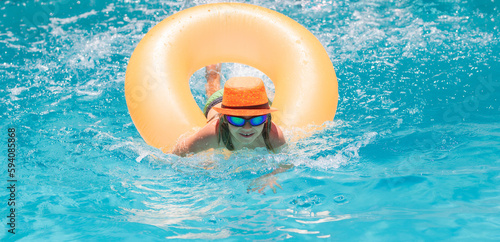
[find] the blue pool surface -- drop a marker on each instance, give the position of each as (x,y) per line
(412,155)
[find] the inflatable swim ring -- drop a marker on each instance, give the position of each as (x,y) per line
(157,78)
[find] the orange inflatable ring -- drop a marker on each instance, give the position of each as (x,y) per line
(157,78)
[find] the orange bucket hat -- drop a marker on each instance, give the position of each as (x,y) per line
(245,96)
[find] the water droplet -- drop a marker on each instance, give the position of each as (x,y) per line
(341,199)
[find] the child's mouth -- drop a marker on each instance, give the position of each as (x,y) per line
(247,135)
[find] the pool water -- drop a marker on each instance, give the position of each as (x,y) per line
(413,152)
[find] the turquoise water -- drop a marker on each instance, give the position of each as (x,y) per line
(413,152)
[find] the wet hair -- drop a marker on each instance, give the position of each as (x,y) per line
(224,136)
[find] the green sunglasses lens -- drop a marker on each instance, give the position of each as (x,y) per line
(258,120)
(236,121)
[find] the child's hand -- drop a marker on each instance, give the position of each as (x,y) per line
(262,182)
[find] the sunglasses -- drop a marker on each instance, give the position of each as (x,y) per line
(240,122)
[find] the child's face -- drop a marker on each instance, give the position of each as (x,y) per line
(247,133)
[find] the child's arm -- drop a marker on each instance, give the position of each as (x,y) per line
(212,74)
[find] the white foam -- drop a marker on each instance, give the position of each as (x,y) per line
(72,19)
(346,155)
(225,233)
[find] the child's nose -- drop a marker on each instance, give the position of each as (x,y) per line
(247,125)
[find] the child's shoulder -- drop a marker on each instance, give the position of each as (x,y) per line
(204,139)
(276,136)
(209,131)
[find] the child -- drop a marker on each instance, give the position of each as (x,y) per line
(238,116)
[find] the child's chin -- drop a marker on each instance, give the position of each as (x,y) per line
(246,141)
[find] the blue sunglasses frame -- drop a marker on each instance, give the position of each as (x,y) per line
(240,122)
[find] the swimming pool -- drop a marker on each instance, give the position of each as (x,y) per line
(411,155)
